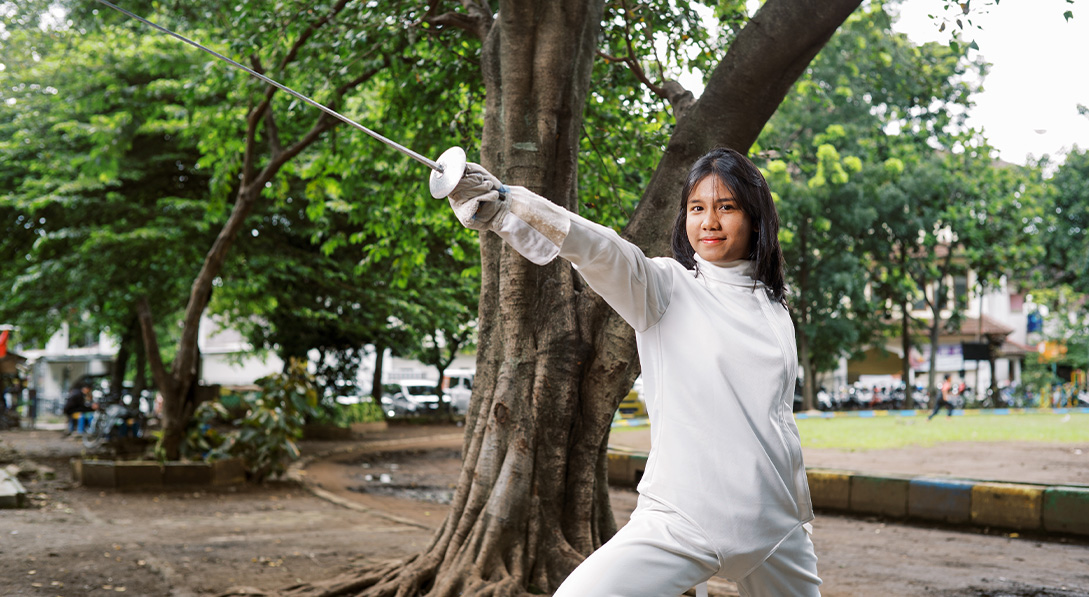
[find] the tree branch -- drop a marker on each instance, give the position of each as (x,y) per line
(275,149)
(477,18)
(742,92)
(310,31)
(263,109)
(322,124)
(679,98)
(185,360)
(250,153)
(271,129)
(151,346)
(632,61)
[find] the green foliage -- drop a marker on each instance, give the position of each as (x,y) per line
(206,433)
(1065,235)
(124,149)
(999,230)
(878,181)
(835,155)
(626,128)
(361,412)
(350,249)
(264,435)
(100,189)
(1038,375)
(1066,322)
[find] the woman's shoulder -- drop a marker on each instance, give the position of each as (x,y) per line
(669,262)
(675,268)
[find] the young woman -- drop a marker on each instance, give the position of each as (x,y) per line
(724,491)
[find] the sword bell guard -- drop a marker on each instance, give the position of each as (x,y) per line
(453,168)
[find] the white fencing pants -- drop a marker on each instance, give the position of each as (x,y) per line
(661,554)
(790,570)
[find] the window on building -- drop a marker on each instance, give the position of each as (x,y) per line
(960,289)
(1017,302)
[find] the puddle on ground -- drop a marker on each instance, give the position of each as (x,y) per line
(435,495)
(421,475)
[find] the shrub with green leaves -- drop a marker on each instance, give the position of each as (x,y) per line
(361,412)
(265,435)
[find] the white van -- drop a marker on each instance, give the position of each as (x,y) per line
(421,392)
(458,384)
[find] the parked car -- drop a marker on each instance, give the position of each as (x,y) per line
(347,393)
(421,393)
(458,384)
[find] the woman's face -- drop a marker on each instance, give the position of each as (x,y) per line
(718,229)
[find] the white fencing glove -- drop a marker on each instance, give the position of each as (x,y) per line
(533,225)
(479,200)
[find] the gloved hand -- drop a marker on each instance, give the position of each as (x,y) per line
(479,200)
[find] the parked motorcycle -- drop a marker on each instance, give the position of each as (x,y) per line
(114,421)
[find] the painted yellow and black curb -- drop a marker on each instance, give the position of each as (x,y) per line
(992,504)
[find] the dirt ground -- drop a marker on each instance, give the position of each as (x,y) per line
(381,498)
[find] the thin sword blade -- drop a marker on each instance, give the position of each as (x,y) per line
(436,166)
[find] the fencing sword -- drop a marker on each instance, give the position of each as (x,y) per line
(445,172)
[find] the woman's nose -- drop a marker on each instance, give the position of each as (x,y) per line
(710,222)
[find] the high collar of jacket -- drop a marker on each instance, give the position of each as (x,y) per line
(738,272)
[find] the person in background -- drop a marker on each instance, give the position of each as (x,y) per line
(944,398)
(78,408)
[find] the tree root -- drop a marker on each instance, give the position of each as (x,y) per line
(402,578)
(352,583)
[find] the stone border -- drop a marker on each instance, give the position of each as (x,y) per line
(127,475)
(1062,509)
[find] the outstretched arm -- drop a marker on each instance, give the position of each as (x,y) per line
(637,287)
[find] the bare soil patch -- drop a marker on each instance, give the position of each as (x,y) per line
(75,541)
(1021,462)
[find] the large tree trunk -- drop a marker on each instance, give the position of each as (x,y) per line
(553,360)
(801,316)
(376,379)
(805,361)
(905,359)
(932,375)
(139,380)
(121,362)
(178,383)
(936,323)
(906,340)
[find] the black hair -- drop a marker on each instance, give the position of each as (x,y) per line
(753,196)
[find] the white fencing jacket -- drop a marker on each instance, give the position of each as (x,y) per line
(719,365)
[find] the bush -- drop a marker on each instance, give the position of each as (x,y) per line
(265,434)
(343,415)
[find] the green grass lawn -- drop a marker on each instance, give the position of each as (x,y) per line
(878,433)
